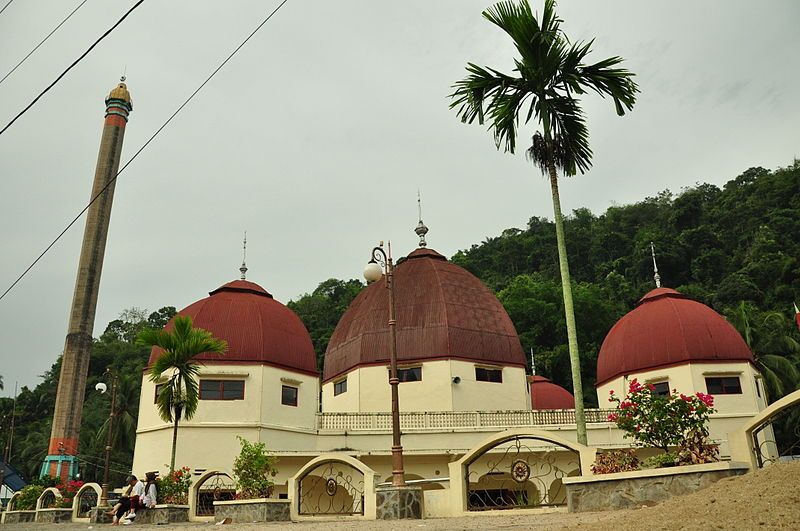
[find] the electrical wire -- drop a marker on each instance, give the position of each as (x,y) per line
(5,6)
(70,67)
(113,179)
(42,41)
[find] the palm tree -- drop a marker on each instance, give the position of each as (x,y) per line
(769,336)
(549,75)
(179,395)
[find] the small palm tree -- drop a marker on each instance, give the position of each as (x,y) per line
(769,336)
(179,395)
(549,75)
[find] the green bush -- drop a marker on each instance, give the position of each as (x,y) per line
(254,470)
(28,497)
(660,460)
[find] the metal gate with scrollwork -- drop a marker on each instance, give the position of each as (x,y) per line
(216,487)
(519,472)
(331,488)
(778,438)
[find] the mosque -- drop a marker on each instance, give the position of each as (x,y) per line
(462,377)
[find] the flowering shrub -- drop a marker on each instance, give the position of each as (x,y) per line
(68,492)
(615,461)
(174,487)
(26,501)
(661,421)
(254,470)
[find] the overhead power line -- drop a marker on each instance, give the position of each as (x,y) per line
(5,6)
(42,41)
(174,114)
(70,67)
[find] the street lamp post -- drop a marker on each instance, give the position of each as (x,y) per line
(102,387)
(380,263)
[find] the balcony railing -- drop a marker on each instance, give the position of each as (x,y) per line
(456,419)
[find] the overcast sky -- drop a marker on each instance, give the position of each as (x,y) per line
(317,135)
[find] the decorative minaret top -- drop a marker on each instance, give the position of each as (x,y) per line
(119,101)
(421,229)
(243,269)
(656,276)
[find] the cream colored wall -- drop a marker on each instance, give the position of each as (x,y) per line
(368,390)
(690,379)
(209,439)
(732,410)
(472,395)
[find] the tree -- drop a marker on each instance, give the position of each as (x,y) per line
(179,395)
(549,75)
(1,382)
(769,337)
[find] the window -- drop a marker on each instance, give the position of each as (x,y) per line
(289,395)
(340,387)
(410,374)
(482,374)
(661,388)
(159,387)
(221,389)
(758,387)
(724,385)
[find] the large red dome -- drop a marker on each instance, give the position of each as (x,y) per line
(258,328)
(443,312)
(547,395)
(666,328)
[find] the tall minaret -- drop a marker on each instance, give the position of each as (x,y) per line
(77,349)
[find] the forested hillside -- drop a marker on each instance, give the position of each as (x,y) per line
(734,248)
(115,349)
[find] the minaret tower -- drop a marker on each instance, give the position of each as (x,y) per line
(77,349)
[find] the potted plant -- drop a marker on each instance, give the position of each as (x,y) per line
(253,470)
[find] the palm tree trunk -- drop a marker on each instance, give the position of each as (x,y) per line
(174,441)
(569,311)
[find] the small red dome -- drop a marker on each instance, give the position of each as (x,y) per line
(258,328)
(547,395)
(666,328)
(443,312)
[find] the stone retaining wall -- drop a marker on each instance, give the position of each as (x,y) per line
(53,516)
(255,510)
(163,514)
(399,503)
(18,517)
(628,490)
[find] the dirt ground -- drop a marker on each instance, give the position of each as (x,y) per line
(767,499)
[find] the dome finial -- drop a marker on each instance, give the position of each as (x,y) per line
(243,269)
(656,276)
(421,229)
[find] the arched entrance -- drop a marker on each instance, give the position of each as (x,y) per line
(518,469)
(333,485)
(213,486)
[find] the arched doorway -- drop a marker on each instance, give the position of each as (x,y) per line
(213,486)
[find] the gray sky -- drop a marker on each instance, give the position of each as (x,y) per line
(317,135)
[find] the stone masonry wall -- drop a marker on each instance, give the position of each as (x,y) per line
(635,492)
(253,511)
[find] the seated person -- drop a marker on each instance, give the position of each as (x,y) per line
(127,502)
(149,499)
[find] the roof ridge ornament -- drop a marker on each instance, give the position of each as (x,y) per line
(243,269)
(656,276)
(421,229)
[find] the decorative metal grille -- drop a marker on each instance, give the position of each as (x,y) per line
(779,437)
(517,473)
(48,500)
(87,499)
(216,487)
(331,488)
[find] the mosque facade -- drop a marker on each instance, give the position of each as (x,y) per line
(462,373)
